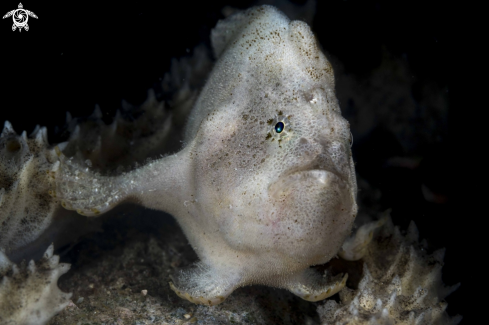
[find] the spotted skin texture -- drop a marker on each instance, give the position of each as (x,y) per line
(258,207)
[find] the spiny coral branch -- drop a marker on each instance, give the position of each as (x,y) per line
(28,292)
(401,283)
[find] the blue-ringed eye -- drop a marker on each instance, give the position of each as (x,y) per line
(279,127)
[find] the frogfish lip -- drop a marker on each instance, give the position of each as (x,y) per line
(320,177)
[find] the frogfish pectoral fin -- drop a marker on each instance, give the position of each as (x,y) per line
(310,285)
(204,285)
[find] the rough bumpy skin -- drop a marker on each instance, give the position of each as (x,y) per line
(265,185)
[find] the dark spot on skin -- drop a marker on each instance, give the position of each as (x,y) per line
(13,145)
(270,121)
(268,136)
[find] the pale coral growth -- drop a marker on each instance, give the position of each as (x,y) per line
(27,167)
(29,294)
(401,283)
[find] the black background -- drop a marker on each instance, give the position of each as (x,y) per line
(79,54)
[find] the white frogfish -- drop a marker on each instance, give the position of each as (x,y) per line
(265,185)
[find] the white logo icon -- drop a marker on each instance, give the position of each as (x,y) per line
(20,17)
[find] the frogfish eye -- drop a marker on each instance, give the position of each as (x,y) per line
(279,127)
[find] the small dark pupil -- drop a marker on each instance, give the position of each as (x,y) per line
(279,127)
